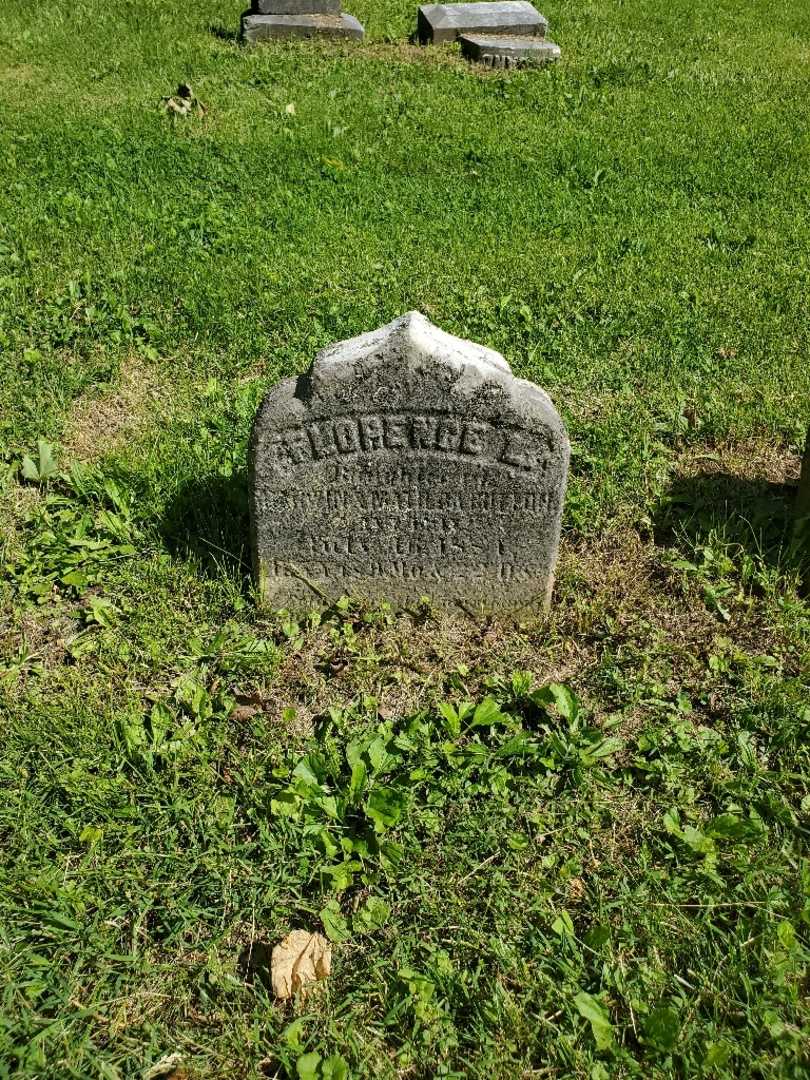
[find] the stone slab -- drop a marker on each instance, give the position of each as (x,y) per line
(257,28)
(296,7)
(439,23)
(507,51)
(407,463)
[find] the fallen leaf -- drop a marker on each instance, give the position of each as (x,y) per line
(184,103)
(301,958)
(180,108)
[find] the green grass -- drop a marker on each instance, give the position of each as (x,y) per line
(607,878)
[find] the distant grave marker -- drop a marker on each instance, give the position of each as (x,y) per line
(273,20)
(439,23)
(508,51)
(499,34)
(407,462)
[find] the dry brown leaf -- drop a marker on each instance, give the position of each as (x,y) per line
(184,102)
(299,959)
(179,108)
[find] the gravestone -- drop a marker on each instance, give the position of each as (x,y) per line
(273,20)
(508,51)
(407,462)
(296,7)
(439,23)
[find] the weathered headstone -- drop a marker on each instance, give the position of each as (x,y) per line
(256,28)
(273,20)
(803,500)
(407,462)
(296,7)
(445,22)
(508,51)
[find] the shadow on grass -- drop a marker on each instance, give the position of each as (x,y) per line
(754,515)
(224,33)
(208,521)
(255,964)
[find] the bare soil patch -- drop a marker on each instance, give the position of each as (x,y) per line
(100,423)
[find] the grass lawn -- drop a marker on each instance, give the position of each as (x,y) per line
(574,847)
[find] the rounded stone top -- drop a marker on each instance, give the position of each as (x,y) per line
(407,339)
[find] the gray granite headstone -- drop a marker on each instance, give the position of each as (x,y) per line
(256,27)
(407,462)
(508,51)
(445,22)
(296,7)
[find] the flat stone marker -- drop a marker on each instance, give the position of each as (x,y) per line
(296,7)
(407,462)
(257,28)
(445,22)
(507,51)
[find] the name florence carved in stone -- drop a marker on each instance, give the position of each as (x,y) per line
(453,489)
(400,434)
